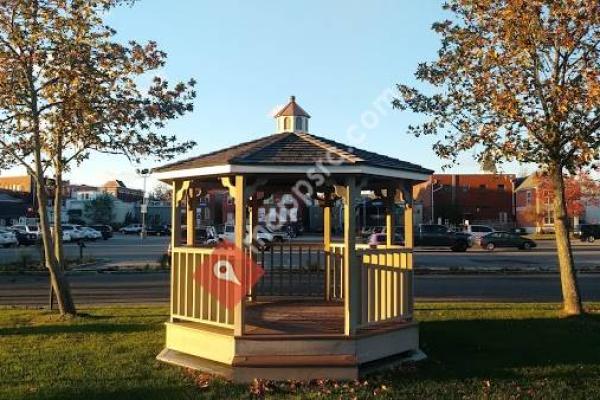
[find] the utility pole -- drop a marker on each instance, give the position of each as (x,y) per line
(144,173)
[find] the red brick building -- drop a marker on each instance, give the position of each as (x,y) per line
(478,198)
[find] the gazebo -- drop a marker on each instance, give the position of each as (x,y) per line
(332,310)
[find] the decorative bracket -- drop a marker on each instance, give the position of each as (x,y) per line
(406,191)
(185,186)
(227,184)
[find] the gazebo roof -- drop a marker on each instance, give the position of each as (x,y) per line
(291,152)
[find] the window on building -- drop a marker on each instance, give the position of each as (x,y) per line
(548,212)
(465,188)
(298,123)
(286,123)
(528,197)
(482,187)
(501,188)
(548,217)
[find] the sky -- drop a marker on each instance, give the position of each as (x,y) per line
(340,58)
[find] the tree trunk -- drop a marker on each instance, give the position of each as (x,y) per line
(568,279)
(57,278)
(58,243)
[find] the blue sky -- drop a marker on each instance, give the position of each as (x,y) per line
(337,57)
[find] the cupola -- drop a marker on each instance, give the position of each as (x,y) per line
(292,118)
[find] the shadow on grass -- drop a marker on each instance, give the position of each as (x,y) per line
(74,328)
(497,348)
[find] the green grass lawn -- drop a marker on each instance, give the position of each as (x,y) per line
(503,351)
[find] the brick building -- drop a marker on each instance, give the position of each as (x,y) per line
(116,188)
(22,184)
(478,198)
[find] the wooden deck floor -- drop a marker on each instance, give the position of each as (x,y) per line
(295,317)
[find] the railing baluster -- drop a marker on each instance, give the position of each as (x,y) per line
(290,290)
(309,268)
(280,269)
(271,271)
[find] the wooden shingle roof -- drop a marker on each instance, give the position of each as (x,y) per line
(289,149)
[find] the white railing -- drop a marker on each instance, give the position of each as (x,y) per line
(190,301)
(386,281)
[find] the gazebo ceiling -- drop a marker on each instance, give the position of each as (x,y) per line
(292,153)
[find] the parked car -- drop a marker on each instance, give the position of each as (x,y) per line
(66,235)
(518,231)
(28,229)
(24,238)
(74,232)
(90,233)
(264,238)
(132,229)
(506,239)
(377,239)
(158,230)
(438,235)
(8,238)
(478,231)
(588,232)
(105,230)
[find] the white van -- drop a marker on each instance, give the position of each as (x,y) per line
(478,231)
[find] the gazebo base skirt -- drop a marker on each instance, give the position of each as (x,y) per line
(284,357)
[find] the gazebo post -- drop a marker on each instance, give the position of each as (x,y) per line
(352,284)
(175,216)
(191,217)
(240,232)
(389,216)
(175,236)
(409,239)
(252,223)
(327,248)
(409,242)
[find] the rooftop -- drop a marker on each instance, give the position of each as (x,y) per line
(293,148)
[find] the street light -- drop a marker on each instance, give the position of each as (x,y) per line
(144,173)
(433,190)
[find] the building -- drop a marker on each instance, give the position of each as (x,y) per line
(22,184)
(75,208)
(11,209)
(476,198)
(120,191)
(534,205)
(116,188)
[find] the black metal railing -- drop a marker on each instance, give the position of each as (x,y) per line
(297,270)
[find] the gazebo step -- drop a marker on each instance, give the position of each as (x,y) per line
(266,361)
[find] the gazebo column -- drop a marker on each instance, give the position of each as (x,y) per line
(389,215)
(327,248)
(240,231)
(409,242)
(175,236)
(352,284)
(191,204)
(252,223)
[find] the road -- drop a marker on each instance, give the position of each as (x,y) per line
(131,249)
(128,288)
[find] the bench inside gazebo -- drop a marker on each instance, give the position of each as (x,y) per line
(332,310)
